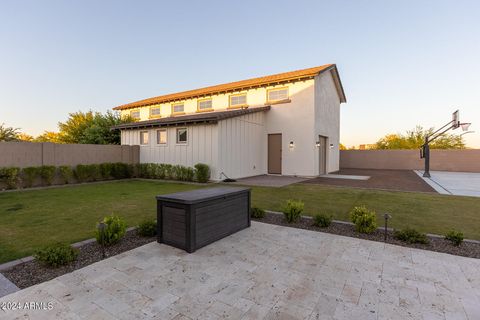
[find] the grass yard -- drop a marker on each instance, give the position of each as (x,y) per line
(31,219)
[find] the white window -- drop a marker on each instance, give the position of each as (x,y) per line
(182,135)
(155,112)
(178,108)
(135,114)
(205,104)
(144,137)
(277,94)
(238,100)
(162,136)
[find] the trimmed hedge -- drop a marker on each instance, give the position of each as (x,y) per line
(200,173)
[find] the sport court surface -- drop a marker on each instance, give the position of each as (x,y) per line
(455,183)
(265,272)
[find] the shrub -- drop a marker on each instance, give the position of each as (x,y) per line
(293,210)
(66,173)
(115,228)
(322,220)
(106,170)
(169,171)
(121,170)
(81,173)
(94,173)
(456,237)
(48,174)
(29,176)
(365,220)
(357,212)
(257,213)
(202,172)
(147,228)
(56,255)
(10,176)
(410,235)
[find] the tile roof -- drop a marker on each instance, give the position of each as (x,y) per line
(233,86)
(197,118)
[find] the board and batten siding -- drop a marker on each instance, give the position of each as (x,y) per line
(242,150)
(202,146)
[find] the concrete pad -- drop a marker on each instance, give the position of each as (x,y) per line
(6,286)
(269,181)
(344,176)
(264,272)
(454,183)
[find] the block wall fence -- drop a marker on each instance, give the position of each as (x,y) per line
(33,154)
(466,160)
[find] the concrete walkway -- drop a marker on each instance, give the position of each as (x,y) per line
(455,183)
(265,272)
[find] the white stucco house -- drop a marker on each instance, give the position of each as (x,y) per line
(285,124)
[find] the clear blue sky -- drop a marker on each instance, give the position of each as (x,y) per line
(402,63)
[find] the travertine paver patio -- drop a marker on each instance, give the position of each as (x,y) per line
(265,272)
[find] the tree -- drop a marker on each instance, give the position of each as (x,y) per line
(91,128)
(8,133)
(415,138)
(48,136)
(24,137)
(342,147)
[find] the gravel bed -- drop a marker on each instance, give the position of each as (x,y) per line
(30,273)
(466,249)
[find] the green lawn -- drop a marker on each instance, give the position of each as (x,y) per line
(31,219)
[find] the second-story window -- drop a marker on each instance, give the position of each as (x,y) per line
(178,108)
(155,112)
(135,114)
(277,94)
(238,100)
(205,104)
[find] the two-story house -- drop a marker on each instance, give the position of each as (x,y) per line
(285,124)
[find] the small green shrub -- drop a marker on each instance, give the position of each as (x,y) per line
(322,220)
(293,210)
(121,170)
(410,235)
(257,213)
(56,255)
(29,176)
(66,173)
(147,228)
(81,173)
(10,176)
(106,170)
(202,172)
(48,174)
(94,173)
(365,220)
(115,228)
(456,237)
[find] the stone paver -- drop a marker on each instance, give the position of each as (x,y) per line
(264,272)
(6,286)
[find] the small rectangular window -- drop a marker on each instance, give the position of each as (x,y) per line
(135,114)
(277,94)
(162,136)
(178,108)
(155,112)
(238,100)
(144,137)
(205,104)
(182,135)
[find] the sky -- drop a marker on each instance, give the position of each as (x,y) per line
(402,63)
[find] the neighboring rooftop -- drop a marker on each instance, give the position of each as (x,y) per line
(242,85)
(207,117)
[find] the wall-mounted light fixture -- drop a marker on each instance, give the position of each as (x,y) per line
(317,144)
(291,145)
(331,145)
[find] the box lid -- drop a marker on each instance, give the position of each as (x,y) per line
(201,195)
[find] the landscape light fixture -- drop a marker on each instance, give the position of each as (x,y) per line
(386,216)
(451,125)
(101,231)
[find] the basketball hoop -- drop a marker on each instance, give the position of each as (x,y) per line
(465,126)
(456,119)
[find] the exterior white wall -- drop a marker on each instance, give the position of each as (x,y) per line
(241,146)
(202,146)
(327,120)
(295,121)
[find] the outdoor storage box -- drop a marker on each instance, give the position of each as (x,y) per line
(193,219)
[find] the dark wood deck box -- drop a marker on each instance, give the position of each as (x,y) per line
(193,219)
